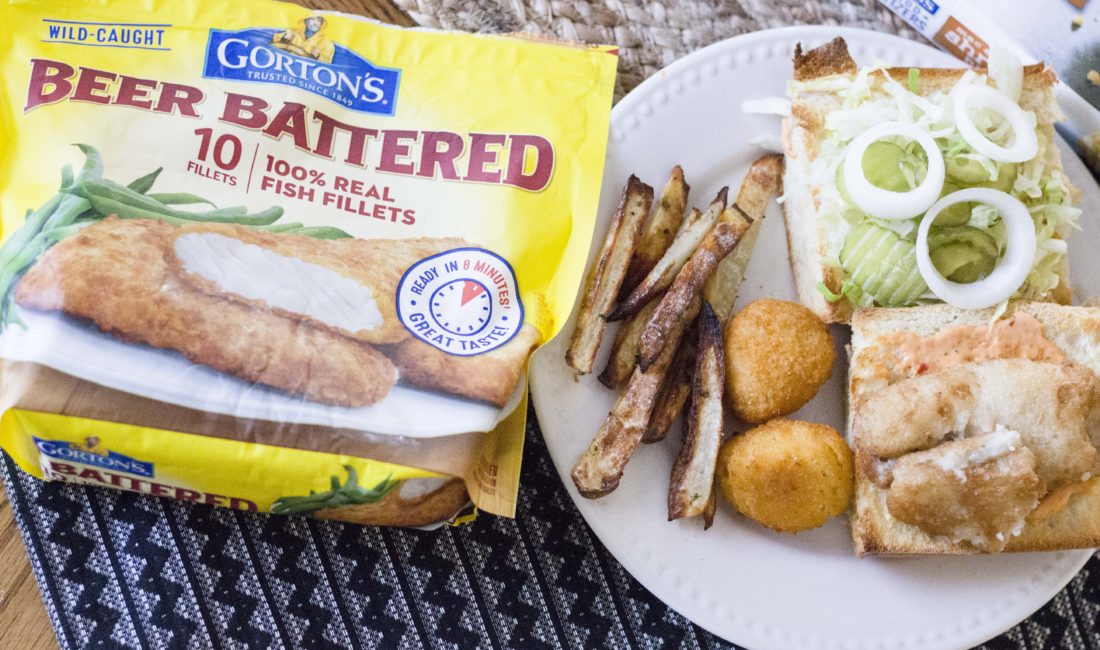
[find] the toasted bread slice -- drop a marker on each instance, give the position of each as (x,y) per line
(1067,518)
(812,261)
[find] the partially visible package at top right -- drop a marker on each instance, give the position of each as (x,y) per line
(1065,34)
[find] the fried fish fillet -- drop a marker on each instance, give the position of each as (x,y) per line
(115,273)
(347,286)
(978,490)
(1049,404)
(489,377)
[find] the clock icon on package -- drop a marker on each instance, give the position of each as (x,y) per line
(464,301)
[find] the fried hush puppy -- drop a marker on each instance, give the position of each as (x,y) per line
(787,475)
(779,355)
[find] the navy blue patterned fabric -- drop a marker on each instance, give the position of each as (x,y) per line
(119,570)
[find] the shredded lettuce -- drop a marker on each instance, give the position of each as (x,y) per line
(849,290)
(829,295)
(1029,182)
(904,228)
(998,312)
(983,216)
(992,169)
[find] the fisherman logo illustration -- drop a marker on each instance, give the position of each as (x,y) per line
(464,301)
(307,39)
(92,445)
(305,57)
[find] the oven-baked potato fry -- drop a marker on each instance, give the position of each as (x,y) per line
(677,255)
(690,219)
(720,289)
(691,484)
(607,274)
(600,467)
(763,181)
(624,350)
(675,391)
(659,230)
(712,506)
(732,225)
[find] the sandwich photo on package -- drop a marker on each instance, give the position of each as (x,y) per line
(282,260)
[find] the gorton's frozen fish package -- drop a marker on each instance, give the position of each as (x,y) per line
(284,261)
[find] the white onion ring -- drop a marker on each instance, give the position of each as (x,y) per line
(1025,144)
(884,204)
(1011,271)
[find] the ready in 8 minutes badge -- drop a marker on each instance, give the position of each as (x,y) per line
(464,301)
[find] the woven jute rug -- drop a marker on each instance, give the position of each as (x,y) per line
(650,34)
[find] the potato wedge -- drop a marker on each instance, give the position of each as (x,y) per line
(659,230)
(763,181)
(732,225)
(600,467)
(712,507)
(692,218)
(678,253)
(624,351)
(675,391)
(720,289)
(691,484)
(606,276)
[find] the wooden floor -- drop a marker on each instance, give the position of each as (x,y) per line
(23,620)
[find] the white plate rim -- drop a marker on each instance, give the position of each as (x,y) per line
(650,572)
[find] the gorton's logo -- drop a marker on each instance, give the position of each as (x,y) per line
(91,452)
(304,57)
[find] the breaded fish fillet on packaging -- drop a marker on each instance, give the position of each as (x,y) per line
(285,261)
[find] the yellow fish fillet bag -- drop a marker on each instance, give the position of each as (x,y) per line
(285,261)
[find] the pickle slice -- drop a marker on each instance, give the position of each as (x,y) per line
(960,263)
(965,170)
(959,213)
(963,254)
(975,238)
(913,286)
(883,265)
(881,167)
(950,257)
(867,243)
(954,215)
(880,285)
(971,173)
(1006,178)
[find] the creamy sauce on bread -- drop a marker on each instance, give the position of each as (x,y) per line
(1018,337)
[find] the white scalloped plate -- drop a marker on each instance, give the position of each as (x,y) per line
(743,582)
